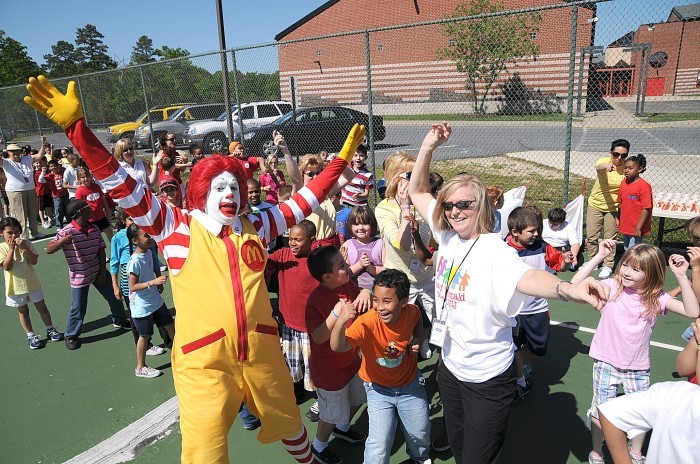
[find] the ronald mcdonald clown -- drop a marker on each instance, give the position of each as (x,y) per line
(227,348)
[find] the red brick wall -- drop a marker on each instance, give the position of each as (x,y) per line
(683,56)
(399,48)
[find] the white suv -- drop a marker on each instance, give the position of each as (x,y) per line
(211,135)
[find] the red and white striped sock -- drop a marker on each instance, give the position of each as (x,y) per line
(298,446)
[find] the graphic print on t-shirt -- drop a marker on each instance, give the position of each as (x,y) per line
(392,356)
(456,277)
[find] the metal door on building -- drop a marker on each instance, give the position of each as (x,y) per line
(655,86)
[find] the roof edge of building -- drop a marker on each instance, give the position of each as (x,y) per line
(305,19)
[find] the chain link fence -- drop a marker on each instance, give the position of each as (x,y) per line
(535,95)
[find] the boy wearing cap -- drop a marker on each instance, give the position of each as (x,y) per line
(84,249)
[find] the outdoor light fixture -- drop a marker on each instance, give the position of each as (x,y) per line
(319,66)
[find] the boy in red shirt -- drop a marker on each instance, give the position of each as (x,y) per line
(338,388)
(295,286)
(92,194)
(43,193)
(390,339)
(58,192)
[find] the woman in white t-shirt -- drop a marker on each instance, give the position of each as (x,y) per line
(20,187)
(480,285)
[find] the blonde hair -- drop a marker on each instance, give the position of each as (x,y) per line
(82,171)
(119,148)
(309,160)
(395,165)
(484,209)
(270,158)
(651,261)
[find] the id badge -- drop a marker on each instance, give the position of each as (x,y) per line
(413,266)
(438,333)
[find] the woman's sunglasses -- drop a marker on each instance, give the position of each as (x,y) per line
(461,205)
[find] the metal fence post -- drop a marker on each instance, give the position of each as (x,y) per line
(238,99)
(2,133)
(224,69)
(82,100)
(148,110)
(570,104)
(579,95)
(38,122)
(370,129)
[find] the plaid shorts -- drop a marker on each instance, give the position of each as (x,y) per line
(606,379)
(297,350)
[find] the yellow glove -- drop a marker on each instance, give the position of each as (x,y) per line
(355,137)
(62,109)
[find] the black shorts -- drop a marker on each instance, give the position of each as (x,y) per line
(144,325)
(45,201)
(101,224)
(533,330)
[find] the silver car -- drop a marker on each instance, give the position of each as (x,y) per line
(177,123)
(211,135)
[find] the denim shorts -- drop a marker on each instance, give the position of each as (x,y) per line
(144,325)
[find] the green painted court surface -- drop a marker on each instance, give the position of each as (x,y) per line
(58,403)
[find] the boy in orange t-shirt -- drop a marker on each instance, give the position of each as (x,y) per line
(389,337)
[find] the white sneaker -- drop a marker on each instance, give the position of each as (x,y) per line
(425,351)
(605,272)
(147,372)
(37,236)
(155,350)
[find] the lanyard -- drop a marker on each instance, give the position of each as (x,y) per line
(449,282)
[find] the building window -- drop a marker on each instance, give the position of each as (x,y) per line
(533,35)
(380,47)
(453,42)
(318,52)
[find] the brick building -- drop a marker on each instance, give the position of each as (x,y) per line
(675,50)
(404,64)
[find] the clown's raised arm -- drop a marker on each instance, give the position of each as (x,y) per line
(164,223)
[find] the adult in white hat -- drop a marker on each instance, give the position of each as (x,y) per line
(20,187)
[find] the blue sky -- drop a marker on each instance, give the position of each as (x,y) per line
(192,24)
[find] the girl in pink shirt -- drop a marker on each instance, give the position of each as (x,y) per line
(620,346)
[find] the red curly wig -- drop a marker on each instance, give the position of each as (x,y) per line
(204,171)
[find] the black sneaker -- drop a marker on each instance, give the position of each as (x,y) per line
(521,391)
(440,444)
(126,325)
(326,456)
(72,343)
(350,436)
(312,413)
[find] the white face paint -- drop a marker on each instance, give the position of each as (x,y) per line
(224,198)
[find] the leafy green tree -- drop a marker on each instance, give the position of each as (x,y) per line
(62,61)
(17,66)
(168,53)
(483,48)
(92,50)
(143,51)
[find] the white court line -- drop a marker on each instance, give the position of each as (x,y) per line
(592,331)
(670,150)
(125,444)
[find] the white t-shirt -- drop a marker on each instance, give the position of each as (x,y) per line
(70,177)
(563,236)
(671,409)
(20,175)
(138,171)
(482,302)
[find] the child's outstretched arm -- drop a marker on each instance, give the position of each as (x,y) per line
(604,249)
(688,360)
(322,333)
(689,306)
(339,343)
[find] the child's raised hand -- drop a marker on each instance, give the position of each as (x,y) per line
(348,311)
(678,265)
(606,247)
(694,256)
(159,280)
(438,134)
